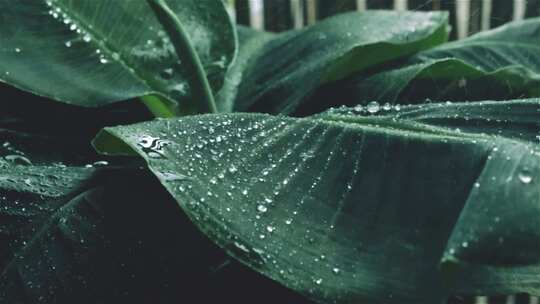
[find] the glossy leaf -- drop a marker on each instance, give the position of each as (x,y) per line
(500,64)
(65,238)
(93,53)
(276,73)
(389,205)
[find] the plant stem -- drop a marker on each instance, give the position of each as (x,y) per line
(202,97)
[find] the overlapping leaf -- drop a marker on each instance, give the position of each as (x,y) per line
(275,74)
(92,53)
(500,64)
(351,208)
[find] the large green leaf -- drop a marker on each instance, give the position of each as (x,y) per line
(394,205)
(68,235)
(276,73)
(499,64)
(92,53)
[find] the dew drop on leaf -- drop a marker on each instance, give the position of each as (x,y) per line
(373,107)
(525,176)
(262,208)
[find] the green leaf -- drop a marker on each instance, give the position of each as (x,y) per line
(500,64)
(68,235)
(276,73)
(350,208)
(93,53)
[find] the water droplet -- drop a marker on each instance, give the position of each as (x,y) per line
(18,159)
(87,38)
(270,229)
(336,270)
(101,163)
(103,60)
(288,221)
(318,281)
(525,176)
(172,176)
(68,43)
(233,169)
(17,50)
(387,106)
(167,73)
(262,208)
(465,244)
(373,107)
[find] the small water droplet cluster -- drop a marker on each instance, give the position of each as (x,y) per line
(83,35)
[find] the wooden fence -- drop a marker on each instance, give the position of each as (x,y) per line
(466,17)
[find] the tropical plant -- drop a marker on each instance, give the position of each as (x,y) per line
(363,159)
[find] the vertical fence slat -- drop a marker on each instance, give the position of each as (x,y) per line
(400,5)
(463,11)
(256,14)
(277,15)
(311,11)
(486,14)
(511,300)
(297,13)
(361,5)
(481,300)
(519,9)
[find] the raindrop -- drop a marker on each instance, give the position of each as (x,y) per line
(87,38)
(18,159)
(318,281)
(387,107)
(373,107)
(68,43)
(171,176)
(262,208)
(336,270)
(233,169)
(17,50)
(465,244)
(288,221)
(167,73)
(525,176)
(270,229)
(101,163)
(103,60)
